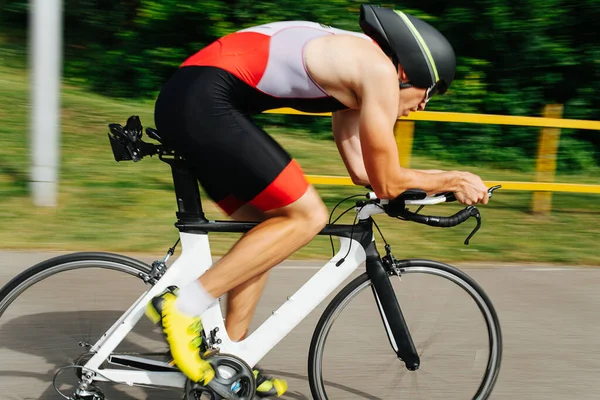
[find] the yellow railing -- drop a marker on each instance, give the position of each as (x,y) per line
(490,119)
(551,123)
(506,185)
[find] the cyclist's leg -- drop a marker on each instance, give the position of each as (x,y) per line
(285,230)
(242,299)
(241,304)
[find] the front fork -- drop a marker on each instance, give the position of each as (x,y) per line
(389,309)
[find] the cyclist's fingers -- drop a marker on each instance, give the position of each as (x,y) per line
(485,198)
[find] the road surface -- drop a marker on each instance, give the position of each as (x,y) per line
(549,315)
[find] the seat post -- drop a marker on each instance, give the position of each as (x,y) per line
(187,192)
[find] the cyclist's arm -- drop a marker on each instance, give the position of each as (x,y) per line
(377,93)
(346,136)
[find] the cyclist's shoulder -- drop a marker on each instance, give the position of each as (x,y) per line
(341,55)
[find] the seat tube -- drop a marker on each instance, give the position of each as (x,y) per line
(389,310)
(187,191)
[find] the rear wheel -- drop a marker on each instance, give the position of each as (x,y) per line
(53,312)
(451,320)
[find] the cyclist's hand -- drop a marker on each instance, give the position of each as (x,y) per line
(471,189)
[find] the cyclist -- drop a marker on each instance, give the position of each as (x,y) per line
(204,111)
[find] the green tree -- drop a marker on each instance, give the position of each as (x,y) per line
(514,56)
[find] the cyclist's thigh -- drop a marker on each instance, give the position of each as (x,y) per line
(239,163)
(248,212)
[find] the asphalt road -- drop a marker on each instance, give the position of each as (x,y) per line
(549,316)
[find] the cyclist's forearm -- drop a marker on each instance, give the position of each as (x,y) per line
(399,188)
(358,175)
(430,182)
(360,181)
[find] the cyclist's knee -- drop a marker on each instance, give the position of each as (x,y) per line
(318,213)
(309,210)
(315,217)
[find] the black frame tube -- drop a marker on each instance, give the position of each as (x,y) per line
(187,192)
(390,311)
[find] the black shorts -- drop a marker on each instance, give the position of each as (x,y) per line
(204,114)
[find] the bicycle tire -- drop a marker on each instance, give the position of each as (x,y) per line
(28,276)
(96,261)
(361,282)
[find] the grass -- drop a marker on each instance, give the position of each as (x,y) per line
(127,207)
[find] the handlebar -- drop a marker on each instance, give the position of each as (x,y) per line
(397,208)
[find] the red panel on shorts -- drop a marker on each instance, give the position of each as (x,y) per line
(288,187)
(244,54)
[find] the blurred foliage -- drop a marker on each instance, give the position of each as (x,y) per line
(514,56)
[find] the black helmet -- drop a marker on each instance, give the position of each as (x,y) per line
(424,53)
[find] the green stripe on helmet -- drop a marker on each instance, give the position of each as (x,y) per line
(421,42)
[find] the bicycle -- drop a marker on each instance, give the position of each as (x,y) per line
(100,363)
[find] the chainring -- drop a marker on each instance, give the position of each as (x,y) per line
(233,379)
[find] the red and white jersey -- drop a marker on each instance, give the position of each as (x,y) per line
(270,57)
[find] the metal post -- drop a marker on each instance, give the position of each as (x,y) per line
(45,66)
(546,160)
(404,132)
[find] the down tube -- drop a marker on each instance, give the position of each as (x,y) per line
(299,305)
(195,258)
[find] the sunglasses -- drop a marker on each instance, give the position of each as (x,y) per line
(431,91)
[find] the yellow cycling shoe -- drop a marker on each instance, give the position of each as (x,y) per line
(267,386)
(182,332)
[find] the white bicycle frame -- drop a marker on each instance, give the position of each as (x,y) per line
(194,260)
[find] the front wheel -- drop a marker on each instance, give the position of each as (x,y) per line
(451,320)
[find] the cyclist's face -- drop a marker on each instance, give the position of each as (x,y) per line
(410,98)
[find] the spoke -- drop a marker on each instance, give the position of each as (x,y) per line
(437,378)
(455,344)
(428,342)
(399,375)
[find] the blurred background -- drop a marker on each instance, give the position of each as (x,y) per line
(515,58)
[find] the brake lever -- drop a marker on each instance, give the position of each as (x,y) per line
(474,213)
(491,190)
